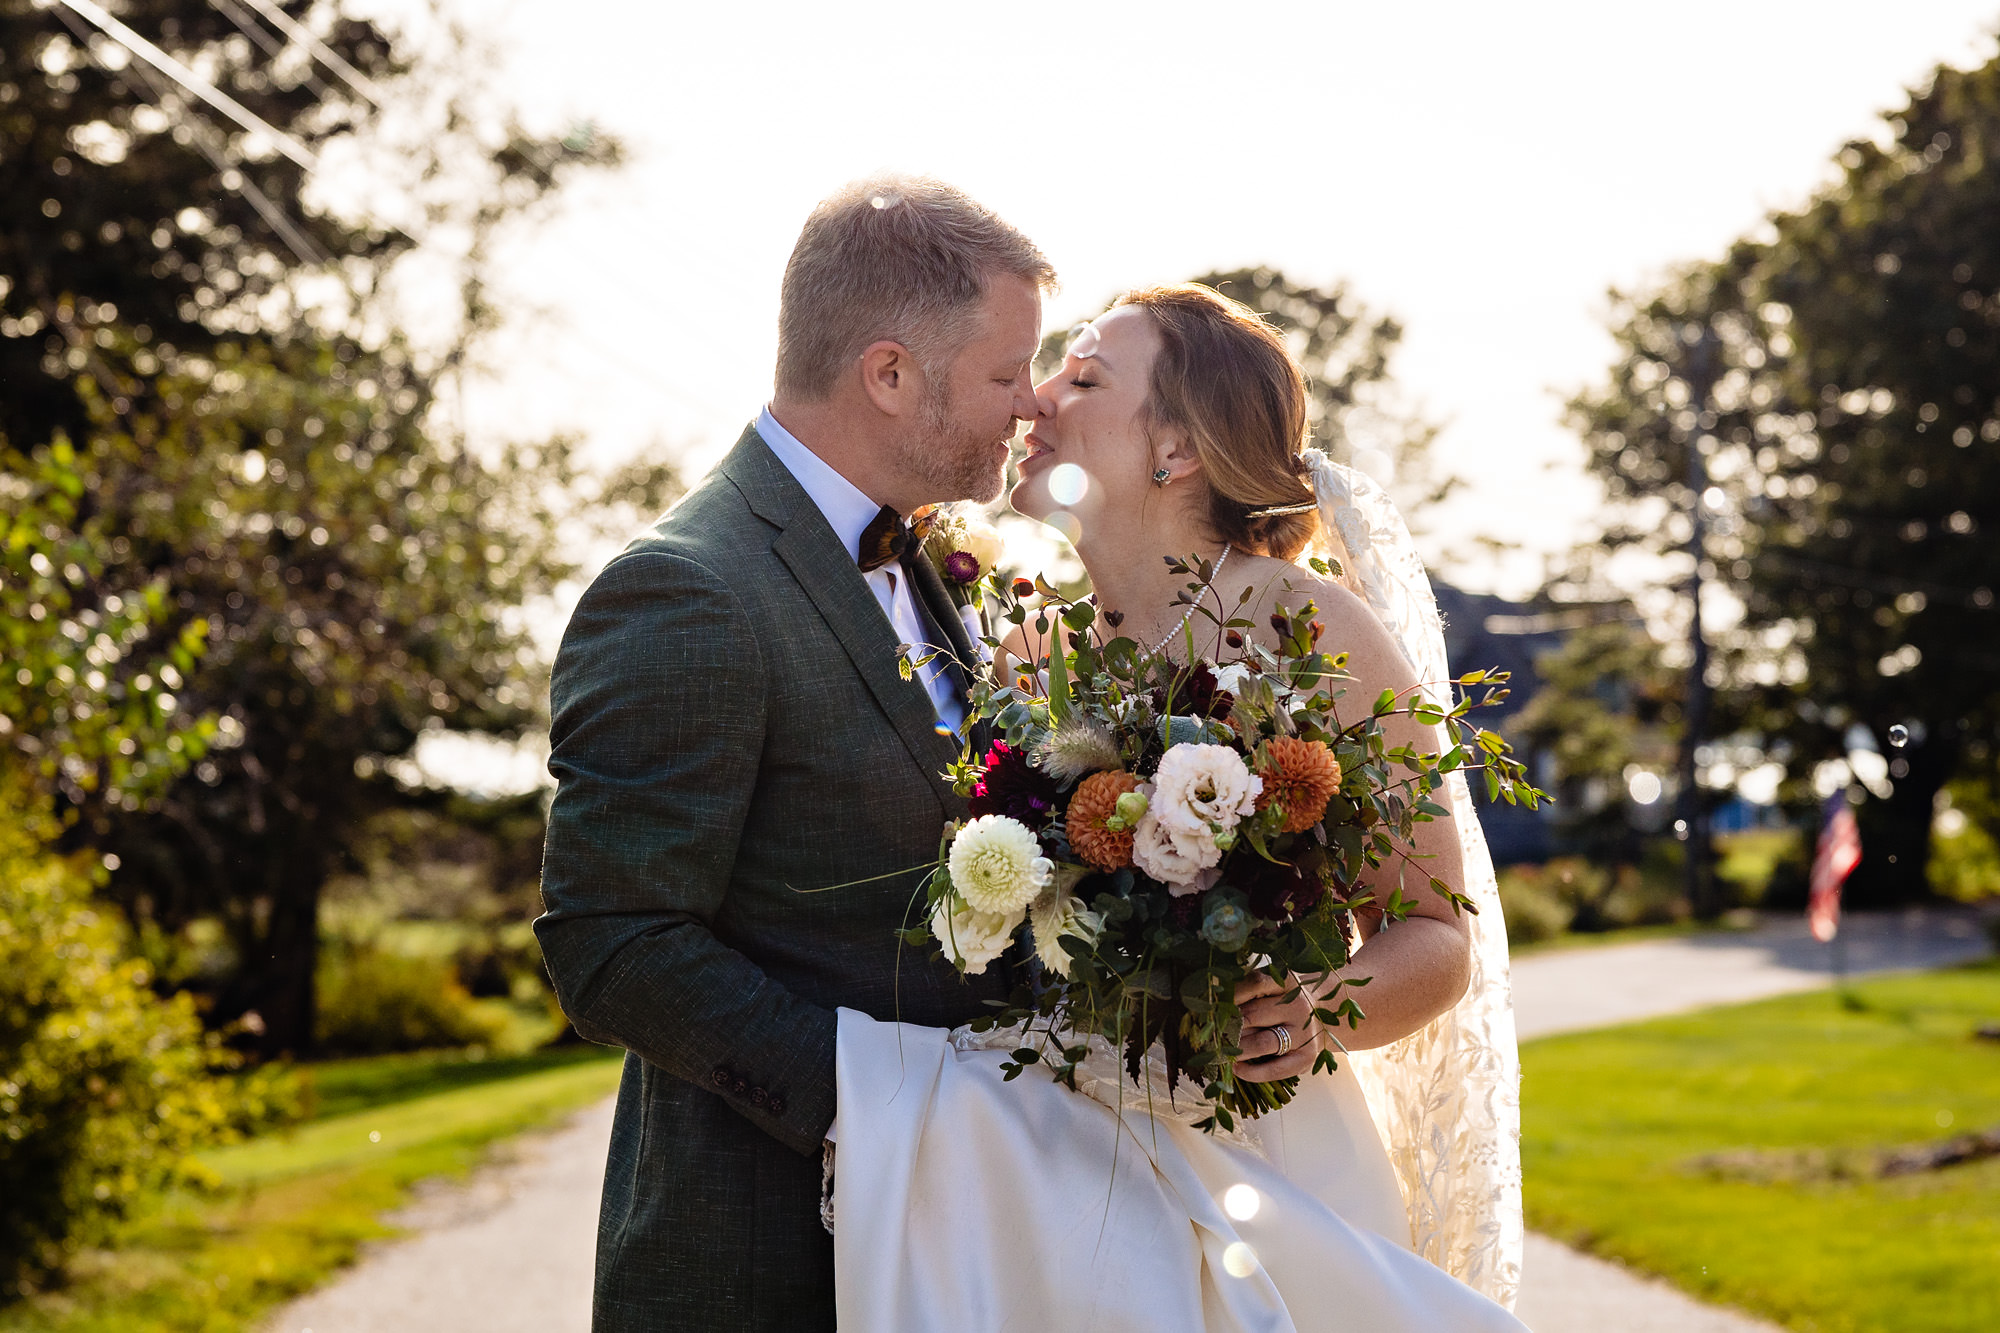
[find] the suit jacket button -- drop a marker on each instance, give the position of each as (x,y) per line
(740,1086)
(777,1106)
(719,1076)
(758,1097)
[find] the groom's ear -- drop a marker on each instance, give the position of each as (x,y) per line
(889,376)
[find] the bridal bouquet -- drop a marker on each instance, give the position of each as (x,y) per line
(1163,831)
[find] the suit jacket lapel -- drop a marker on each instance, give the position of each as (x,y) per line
(826,572)
(967,659)
(937,604)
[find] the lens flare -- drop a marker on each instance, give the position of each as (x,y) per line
(1065,522)
(1241,1202)
(1068,484)
(1239,1260)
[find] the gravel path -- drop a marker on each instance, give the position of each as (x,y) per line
(509,1250)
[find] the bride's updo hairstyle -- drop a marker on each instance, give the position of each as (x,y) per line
(1225,379)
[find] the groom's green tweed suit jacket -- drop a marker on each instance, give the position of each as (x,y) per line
(744,784)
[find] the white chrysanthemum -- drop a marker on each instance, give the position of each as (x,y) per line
(997,866)
(1182,859)
(972,939)
(1204,787)
(1054,915)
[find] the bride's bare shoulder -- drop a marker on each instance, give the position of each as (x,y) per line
(1350,627)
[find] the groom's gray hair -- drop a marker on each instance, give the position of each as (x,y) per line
(898,258)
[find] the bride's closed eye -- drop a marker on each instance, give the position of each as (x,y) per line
(1081,383)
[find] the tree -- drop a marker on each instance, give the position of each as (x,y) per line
(1605,713)
(132,194)
(271,458)
(1850,441)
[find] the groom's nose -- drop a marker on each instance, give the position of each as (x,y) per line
(1027,404)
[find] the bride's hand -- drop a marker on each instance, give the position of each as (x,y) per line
(1264,1011)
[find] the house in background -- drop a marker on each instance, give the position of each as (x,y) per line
(1484,631)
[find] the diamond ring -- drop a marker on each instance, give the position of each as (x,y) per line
(1284,1039)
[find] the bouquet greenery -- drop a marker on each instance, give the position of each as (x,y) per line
(1166,830)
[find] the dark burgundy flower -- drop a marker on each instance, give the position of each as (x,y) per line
(1280,892)
(961,567)
(1015,788)
(1194,694)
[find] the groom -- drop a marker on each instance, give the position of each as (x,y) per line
(748,787)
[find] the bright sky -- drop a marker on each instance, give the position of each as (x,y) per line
(1483,172)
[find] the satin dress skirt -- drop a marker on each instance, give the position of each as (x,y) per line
(967,1203)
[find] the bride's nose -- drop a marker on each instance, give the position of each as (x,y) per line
(1045,401)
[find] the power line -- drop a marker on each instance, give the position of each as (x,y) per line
(270,45)
(191,81)
(202,136)
(329,57)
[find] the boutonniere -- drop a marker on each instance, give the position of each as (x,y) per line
(962,548)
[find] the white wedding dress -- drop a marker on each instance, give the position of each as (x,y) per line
(975,1205)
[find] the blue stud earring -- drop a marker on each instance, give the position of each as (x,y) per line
(1161,477)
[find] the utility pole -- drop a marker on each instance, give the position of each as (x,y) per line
(1691,825)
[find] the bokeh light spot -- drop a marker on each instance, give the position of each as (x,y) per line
(1065,522)
(1241,1202)
(1239,1260)
(1068,484)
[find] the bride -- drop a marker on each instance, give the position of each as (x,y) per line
(1386,1195)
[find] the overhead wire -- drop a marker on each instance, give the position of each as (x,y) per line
(194,83)
(204,139)
(271,47)
(155,62)
(329,57)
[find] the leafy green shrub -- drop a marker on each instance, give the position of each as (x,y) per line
(1534,913)
(1965,857)
(1747,863)
(104,1088)
(373,1001)
(1572,894)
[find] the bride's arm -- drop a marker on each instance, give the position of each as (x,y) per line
(1417,967)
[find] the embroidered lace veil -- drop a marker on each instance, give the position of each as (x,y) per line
(1446,1099)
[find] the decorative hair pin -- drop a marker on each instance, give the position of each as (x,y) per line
(1283,509)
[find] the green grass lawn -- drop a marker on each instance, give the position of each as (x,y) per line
(295,1206)
(1731,1151)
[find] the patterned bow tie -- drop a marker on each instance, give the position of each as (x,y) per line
(885,538)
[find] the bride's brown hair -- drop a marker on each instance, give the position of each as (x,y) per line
(1225,378)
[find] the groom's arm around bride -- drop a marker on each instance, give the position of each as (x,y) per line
(747,785)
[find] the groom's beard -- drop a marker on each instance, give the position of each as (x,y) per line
(954,460)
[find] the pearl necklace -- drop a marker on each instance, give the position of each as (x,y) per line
(1188,615)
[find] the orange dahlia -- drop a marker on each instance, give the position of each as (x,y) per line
(1301,776)
(1095,801)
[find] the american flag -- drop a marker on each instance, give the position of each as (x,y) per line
(1838,853)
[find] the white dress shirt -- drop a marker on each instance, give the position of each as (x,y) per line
(849,513)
